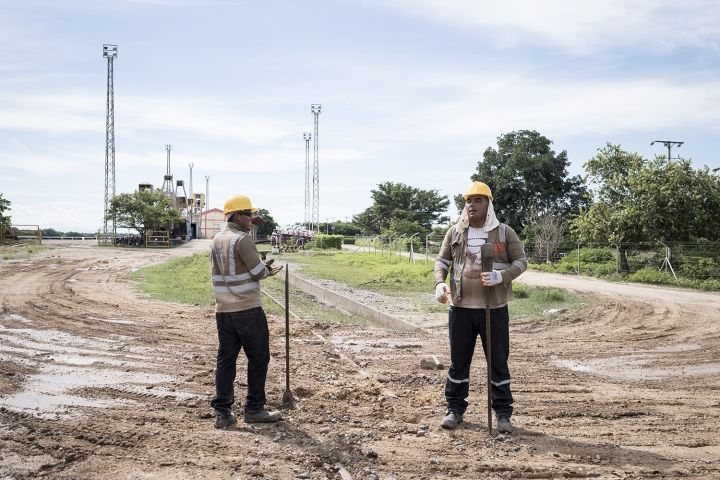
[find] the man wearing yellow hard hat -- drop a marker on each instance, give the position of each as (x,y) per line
(460,255)
(236,270)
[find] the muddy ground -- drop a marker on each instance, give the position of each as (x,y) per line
(96,382)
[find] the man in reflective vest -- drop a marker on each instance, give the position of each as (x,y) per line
(460,255)
(236,270)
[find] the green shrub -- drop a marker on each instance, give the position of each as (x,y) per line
(596,255)
(327,242)
(349,240)
(700,268)
(710,285)
(520,290)
(552,295)
(652,275)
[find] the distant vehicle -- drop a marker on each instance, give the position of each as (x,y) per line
(10,233)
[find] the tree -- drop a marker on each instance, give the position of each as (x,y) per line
(270,224)
(525,172)
(546,232)
(639,200)
(143,210)
(397,201)
(4,206)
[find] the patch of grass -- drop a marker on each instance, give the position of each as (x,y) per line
(383,274)
(395,276)
(26,250)
(187,280)
(180,280)
(532,302)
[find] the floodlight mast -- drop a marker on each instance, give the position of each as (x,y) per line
(308,205)
(668,144)
(109,52)
(315,110)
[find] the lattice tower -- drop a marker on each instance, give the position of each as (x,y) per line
(315,109)
(308,205)
(109,52)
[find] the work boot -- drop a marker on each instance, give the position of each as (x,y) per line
(451,420)
(504,425)
(263,416)
(223,422)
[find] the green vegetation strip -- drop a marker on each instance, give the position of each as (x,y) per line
(19,250)
(396,276)
(601,263)
(187,280)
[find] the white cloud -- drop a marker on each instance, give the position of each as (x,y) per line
(580,27)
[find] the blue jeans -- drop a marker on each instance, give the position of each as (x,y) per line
(465,325)
(247,329)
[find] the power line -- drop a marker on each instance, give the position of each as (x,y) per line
(668,144)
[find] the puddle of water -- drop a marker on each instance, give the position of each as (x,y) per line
(633,367)
(44,394)
(114,320)
(682,347)
(574,366)
(19,318)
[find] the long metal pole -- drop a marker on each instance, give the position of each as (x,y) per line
(308,202)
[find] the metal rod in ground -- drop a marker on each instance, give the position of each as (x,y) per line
(486,259)
(287,399)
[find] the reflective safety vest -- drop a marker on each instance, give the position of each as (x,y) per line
(236,270)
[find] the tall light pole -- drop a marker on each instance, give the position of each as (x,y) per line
(668,144)
(308,205)
(191,198)
(207,193)
(109,52)
(315,110)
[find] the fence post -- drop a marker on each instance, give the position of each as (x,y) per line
(578,258)
(426,247)
(617,259)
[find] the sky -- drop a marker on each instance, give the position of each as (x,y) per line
(411,92)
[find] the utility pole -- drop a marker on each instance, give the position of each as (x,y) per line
(207,202)
(315,110)
(308,205)
(191,198)
(109,52)
(207,192)
(668,144)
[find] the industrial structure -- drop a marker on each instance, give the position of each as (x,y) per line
(109,52)
(315,222)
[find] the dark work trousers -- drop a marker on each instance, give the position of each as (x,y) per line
(247,329)
(465,325)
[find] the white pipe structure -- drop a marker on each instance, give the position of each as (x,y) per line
(390,244)
(411,258)
(427,243)
(400,243)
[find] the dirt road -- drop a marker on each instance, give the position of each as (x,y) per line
(96,382)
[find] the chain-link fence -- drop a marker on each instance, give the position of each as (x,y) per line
(695,261)
(649,262)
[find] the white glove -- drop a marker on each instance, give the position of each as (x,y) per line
(441,292)
(491,279)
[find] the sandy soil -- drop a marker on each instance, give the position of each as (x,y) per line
(96,382)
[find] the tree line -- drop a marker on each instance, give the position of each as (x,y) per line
(622,198)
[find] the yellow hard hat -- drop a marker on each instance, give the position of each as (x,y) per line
(478,188)
(238,203)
